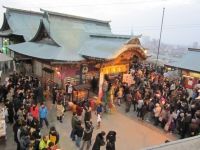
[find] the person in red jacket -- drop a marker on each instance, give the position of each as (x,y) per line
(35,111)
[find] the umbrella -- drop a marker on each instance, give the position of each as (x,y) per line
(4,57)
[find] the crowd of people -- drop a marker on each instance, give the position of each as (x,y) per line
(26,111)
(155,98)
(24,99)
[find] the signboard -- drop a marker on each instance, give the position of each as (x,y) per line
(191,74)
(114,69)
(128,78)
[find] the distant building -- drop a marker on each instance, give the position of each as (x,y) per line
(189,65)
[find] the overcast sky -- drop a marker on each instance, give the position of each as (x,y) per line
(181,21)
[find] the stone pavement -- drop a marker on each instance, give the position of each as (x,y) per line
(132,134)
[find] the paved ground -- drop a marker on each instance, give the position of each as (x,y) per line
(132,134)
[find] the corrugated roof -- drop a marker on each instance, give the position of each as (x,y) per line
(72,34)
(75,17)
(190,61)
(23,23)
(105,48)
(76,35)
(44,51)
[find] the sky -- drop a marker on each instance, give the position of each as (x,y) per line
(181,24)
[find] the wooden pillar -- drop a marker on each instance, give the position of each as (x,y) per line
(81,74)
(62,76)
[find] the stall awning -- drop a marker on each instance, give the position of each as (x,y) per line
(4,58)
(81,87)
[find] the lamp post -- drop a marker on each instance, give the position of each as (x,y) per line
(158,52)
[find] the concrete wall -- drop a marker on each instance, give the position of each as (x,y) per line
(192,143)
(37,68)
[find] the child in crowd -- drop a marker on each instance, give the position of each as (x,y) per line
(98,120)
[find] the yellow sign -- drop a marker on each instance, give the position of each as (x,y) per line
(195,75)
(114,69)
(191,74)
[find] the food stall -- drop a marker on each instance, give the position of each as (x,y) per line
(80,92)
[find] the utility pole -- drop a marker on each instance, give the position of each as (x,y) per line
(160,38)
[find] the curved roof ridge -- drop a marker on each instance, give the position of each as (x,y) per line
(110,35)
(22,10)
(75,17)
(39,31)
(5,25)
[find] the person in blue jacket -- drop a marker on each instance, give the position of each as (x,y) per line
(43,112)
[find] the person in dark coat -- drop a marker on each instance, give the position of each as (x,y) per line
(87,136)
(88,114)
(10,112)
(94,84)
(182,127)
(74,122)
(54,92)
(79,133)
(16,126)
(110,139)
(99,141)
